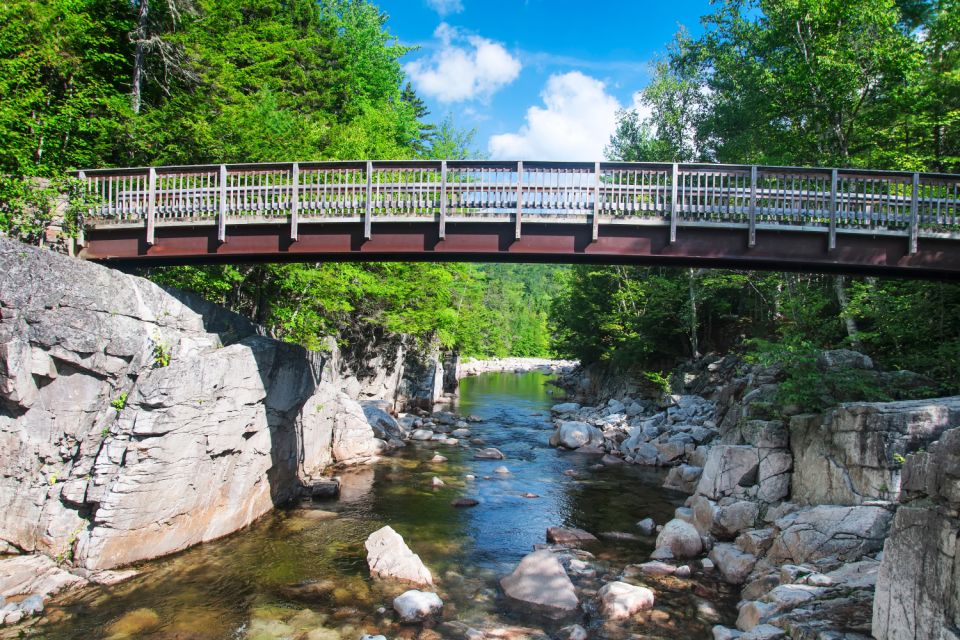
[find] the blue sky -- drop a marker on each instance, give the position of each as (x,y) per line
(537,79)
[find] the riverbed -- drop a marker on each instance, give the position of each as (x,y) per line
(301,572)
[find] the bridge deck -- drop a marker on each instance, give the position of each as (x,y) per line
(731,215)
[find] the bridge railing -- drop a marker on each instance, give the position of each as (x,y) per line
(678,195)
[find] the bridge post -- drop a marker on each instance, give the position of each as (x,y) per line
(914,214)
(151,206)
(832,242)
(222,210)
(519,197)
(368,209)
(752,240)
(596,201)
(294,200)
(443,199)
(79,240)
(673,204)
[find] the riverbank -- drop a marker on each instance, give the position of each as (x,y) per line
(792,509)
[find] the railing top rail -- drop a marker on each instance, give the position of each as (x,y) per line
(512,164)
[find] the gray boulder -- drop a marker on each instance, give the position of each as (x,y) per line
(540,581)
(680,538)
(573,434)
(417,606)
(829,531)
(727,467)
(388,556)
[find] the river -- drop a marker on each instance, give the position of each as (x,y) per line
(300,573)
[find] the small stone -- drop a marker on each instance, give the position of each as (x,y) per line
(573,632)
(657,568)
(437,458)
(416,606)
(474,634)
(421,434)
(725,633)
(707,564)
(683,571)
(502,470)
(437,482)
(647,526)
(530,495)
(465,502)
(764,632)
(470,476)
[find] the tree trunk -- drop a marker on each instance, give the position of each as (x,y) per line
(694,340)
(140,36)
(839,286)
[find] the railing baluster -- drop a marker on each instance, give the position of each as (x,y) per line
(673,205)
(519,198)
(294,200)
(222,212)
(752,212)
(914,225)
(596,201)
(152,207)
(832,242)
(368,209)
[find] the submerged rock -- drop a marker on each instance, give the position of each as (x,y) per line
(561,535)
(541,582)
(573,434)
(389,557)
(465,502)
(490,453)
(417,606)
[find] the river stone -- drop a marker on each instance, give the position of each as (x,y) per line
(539,580)
(573,434)
(619,600)
(572,536)
(384,425)
(734,565)
(416,606)
(656,568)
(565,407)
(421,434)
(680,538)
(389,557)
(460,433)
(490,453)
(134,623)
(647,526)
(683,478)
(465,502)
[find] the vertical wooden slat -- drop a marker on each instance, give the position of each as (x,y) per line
(914,210)
(832,242)
(443,199)
(80,239)
(752,211)
(151,206)
(519,197)
(673,204)
(596,201)
(368,209)
(222,212)
(294,200)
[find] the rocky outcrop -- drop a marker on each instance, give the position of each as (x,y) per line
(918,590)
(137,421)
(850,454)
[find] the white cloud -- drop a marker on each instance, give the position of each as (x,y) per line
(465,67)
(446,7)
(575,122)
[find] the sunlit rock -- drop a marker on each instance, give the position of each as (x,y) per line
(389,557)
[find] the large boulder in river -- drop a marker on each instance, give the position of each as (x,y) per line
(619,600)
(681,538)
(384,425)
(574,434)
(541,582)
(389,557)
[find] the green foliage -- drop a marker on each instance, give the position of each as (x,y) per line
(120,402)
(29,205)
(805,384)
(657,379)
(161,356)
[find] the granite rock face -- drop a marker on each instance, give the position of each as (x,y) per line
(849,455)
(137,421)
(918,587)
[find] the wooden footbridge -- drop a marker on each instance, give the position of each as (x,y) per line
(812,219)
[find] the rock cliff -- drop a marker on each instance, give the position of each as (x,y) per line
(137,421)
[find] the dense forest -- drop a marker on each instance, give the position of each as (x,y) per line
(796,82)
(118,83)
(847,83)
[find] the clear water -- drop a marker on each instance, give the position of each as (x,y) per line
(300,573)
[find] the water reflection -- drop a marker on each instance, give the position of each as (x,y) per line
(301,572)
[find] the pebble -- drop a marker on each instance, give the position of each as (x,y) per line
(437,482)
(438,458)
(465,502)
(502,470)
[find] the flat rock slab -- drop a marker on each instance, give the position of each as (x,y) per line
(561,535)
(389,557)
(37,574)
(541,582)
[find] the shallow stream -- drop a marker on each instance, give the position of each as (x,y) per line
(300,573)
